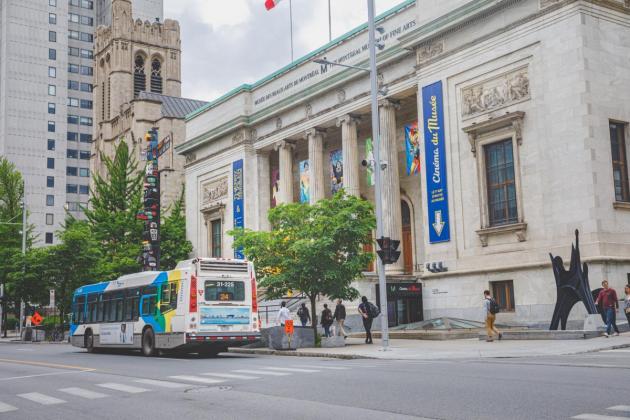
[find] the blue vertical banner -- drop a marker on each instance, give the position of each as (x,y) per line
(435,163)
(238,201)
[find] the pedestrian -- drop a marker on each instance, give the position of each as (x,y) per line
(303,314)
(283,314)
(368,314)
(627,302)
(340,318)
(491,309)
(608,299)
(327,320)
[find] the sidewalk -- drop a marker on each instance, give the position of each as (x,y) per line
(454,349)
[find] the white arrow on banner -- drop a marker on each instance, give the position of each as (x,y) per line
(438,225)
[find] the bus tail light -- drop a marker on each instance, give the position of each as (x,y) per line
(254,294)
(193,294)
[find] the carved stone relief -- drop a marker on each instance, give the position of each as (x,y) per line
(495,93)
(214,191)
(341,95)
(308,110)
(190,158)
(427,52)
(278,123)
(238,137)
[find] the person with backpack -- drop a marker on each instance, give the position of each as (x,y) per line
(368,312)
(327,320)
(340,318)
(303,314)
(491,308)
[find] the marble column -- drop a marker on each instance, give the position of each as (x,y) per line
(285,184)
(315,139)
(263,172)
(350,147)
(392,217)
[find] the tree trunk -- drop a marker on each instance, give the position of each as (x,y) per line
(314,315)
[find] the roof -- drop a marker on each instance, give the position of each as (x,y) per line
(173,107)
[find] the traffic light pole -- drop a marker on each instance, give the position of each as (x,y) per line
(380,266)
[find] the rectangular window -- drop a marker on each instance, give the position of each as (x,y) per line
(86,121)
(74,102)
(73,17)
(229,291)
(72,154)
(73,85)
(149,299)
(84,172)
(87,4)
(52,90)
(78,314)
(51,126)
(52,108)
(84,154)
(49,238)
(52,18)
(86,20)
(52,36)
(51,144)
(73,3)
(71,171)
(52,54)
(50,163)
(52,72)
(619,161)
(86,138)
(52,3)
(73,206)
(92,304)
(50,181)
(73,119)
(132,305)
(84,189)
(72,189)
(87,37)
(87,87)
(86,104)
(50,200)
(87,53)
(73,34)
(216,232)
(87,71)
(501,187)
(72,136)
(50,218)
(73,68)
(503,293)
(73,51)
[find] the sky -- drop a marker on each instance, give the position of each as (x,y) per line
(226,43)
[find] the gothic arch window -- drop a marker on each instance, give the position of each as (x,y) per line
(139,76)
(156,76)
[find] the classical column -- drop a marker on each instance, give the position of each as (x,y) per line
(348,124)
(263,192)
(285,184)
(392,217)
(315,139)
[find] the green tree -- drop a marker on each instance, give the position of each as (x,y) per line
(316,249)
(174,246)
(115,201)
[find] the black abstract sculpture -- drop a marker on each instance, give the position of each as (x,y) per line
(572,286)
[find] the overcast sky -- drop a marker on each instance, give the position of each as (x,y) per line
(226,43)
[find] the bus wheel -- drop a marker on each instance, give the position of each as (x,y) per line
(148,343)
(89,342)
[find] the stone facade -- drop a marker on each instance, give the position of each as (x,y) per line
(542,79)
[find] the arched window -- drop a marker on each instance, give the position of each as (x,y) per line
(139,76)
(156,76)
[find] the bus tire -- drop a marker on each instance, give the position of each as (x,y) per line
(89,342)
(148,343)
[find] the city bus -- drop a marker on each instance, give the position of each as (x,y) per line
(202,306)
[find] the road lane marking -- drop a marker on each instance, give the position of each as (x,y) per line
(598,417)
(261,372)
(163,384)
(5,408)
(41,398)
(625,408)
(43,364)
(197,379)
(121,387)
(230,376)
(615,351)
(295,370)
(43,374)
(321,367)
(83,393)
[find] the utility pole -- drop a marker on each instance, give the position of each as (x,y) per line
(22,308)
(376,135)
(150,257)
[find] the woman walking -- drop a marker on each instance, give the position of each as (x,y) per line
(627,302)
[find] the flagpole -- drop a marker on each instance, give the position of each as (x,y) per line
(329,23)
(291,19)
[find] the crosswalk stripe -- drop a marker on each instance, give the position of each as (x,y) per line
(197,379)
(5,408)
(261,372)
(83,393)
(41,398)
(230,376)
(616,351)
(321,367)
(163,384)
(123,388)
(625,408)
(598,417)
(297,370)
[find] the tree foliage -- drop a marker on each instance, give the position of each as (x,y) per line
(316,249)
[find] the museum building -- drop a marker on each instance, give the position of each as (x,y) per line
(503,129)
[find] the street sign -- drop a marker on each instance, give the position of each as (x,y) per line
(288,326)
(36,319)
(164,145)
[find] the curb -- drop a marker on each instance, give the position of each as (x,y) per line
(33,342)
(294,353)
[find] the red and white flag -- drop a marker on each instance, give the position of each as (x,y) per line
(270,4)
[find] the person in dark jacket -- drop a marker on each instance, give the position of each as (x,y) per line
(340,318)
(608,299)
(367,319)
(327,320)
(304,314)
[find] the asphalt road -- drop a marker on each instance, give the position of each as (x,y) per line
(62,382)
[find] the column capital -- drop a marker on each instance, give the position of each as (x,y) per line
(311,132)
(284,144)
(389,103)
(262,152)
(348,119)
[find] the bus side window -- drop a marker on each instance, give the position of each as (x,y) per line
(149,300)
(92,302)
(99,309)
(80,309)
(174,288)
(165,297)
(119,307)
(131,305)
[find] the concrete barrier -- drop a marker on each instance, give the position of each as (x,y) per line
(277,339)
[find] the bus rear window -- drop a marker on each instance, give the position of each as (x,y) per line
(224,291)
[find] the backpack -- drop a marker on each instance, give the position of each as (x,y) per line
(494,306)
(372,310)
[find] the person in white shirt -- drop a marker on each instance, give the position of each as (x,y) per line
(283,314)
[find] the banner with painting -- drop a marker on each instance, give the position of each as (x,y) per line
(305,194)
(369,158)
(336,171)
(412,143)
(275,181)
